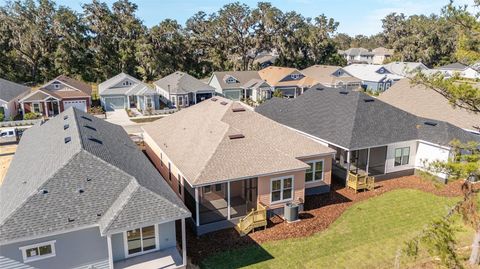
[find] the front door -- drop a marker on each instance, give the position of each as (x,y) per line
(251,193)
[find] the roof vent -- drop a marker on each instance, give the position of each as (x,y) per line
(89,179)
(65,126)
(67,139)
(65,117)
(236,136)
(430,123)
(71,219)
(238,109)
(95,140)
(90,127)
(81,191)
(343,92)
(214,99)
(223,103)
(319,89)
(99,214)
(43,191)
(85,118)
(368,100)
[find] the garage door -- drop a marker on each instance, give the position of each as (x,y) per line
(112,103)
(80,104)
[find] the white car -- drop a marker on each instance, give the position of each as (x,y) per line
(8,133)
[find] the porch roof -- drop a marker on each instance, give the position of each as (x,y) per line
(199,142)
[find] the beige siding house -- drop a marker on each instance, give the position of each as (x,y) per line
(223,160)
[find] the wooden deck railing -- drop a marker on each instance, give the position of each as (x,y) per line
(254,219)
(360,182)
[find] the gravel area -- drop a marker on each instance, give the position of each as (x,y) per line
(320,212)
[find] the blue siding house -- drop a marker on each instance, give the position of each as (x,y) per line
(374,77)
(79,194)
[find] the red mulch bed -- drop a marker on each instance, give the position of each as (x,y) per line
(320,211)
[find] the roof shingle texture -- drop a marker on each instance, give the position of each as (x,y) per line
(324,74)
(348,121)
(10,90)
(100,160)
(182,83)
(242,77)
(197,141)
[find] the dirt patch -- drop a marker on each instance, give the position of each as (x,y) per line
(320,211)
(6,156)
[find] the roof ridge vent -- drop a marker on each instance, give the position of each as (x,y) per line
(223,103)
(430,123)
(95,140)
(84,117)
(343,92)
(214,99)
(319,89)
(65,126)
(89,127)
(368,100)
(67,139)
(238,109)
(236,136)
(65,117)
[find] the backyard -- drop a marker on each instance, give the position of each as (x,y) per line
(369,234)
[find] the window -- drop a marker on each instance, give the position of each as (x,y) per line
(218,187)
(207,189)
(179,184)
(37,108)
(315,172)
(56,86)
(127,83)
(173,100)
(281,189)
(141,240)
(230,80)
(402,155)
(169,171)
(38,251)
(149,102)
(180,100)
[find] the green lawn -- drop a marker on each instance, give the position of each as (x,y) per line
(367,235)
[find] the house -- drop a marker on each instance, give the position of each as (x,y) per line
(224,160)
(357,55)
(56,96)
(237,85)
(332,77)
(405,69)
(381,55)
(181,89)
(124,91)
(464,71)
(79,194)
(10,95)
(370,136)
(374,77)
(427,103)
(265,60)
(289,81)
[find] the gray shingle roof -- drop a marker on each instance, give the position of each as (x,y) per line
(9,90)
(242,77)
(100,160)
(347,120)
(108,87)
(453,66)
(182,83)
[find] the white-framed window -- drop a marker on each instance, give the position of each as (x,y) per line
(141,240)
(295,76)
(281,189)
(230,80)
(315,172)
(174,100)
(380,87)
(402,156)
(38,251)
(207,189)
(37,108)
(180,100)
(149,102)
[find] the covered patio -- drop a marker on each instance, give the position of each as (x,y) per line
(163,259)
(363,162)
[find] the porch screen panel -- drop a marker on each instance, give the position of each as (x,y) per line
(189,198)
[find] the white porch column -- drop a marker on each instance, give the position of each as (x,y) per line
(110,253)
(195,98)
(184,244)
(197,208)
(23,109)
(228,201)
(348,160)
(58,107)
(46,108)
(368,160)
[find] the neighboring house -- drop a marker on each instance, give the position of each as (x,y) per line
(357,55)
(181,89)
(237,85)
(427,103)
(374,77)
(370,136)
(79,194)
(476,66)
(124,91)
(381,54)
(332,77)
(265,60)
(289,81)
(58,95)
(10,95)
(405,69)
(464,71)
(224,160)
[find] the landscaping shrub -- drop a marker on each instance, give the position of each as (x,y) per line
(2,116)
(31,116)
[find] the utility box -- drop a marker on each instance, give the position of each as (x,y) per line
(291,211)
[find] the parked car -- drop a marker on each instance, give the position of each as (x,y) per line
(8,133)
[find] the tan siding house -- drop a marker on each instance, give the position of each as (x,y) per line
(223,160)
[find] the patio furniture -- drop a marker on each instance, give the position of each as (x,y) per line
(360,182)
(254,219)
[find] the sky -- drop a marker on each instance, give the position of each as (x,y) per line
(355,16)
